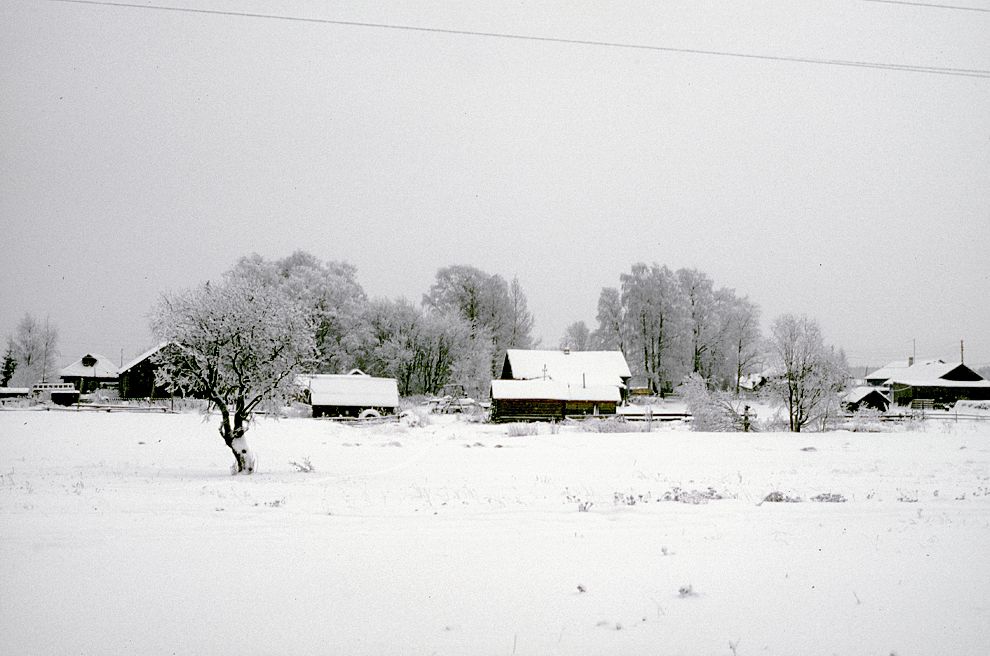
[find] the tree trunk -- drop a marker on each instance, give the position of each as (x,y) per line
(233,436)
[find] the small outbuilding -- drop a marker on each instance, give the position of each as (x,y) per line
(355,394)
(865,398)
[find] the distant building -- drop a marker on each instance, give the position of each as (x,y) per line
(90,372)
(935,381)
(349,395)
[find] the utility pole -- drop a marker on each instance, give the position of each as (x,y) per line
(962,352)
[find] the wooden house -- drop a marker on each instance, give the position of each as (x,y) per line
(90,372)
(940,383)
(538,384)
(529,400)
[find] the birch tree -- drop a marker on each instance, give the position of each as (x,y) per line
(811,373)
(34,349)
(239,342)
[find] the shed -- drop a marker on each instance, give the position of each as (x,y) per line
(518,400)
(864,397)
(90,372)
(349,395)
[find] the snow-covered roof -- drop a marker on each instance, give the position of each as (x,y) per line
(929,373)
(857,394)
(588,368)
(940,382)
(144,356)
(897,368)
(552,390)
(103,367)
(351,390)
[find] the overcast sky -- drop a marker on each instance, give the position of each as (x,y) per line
(144,150)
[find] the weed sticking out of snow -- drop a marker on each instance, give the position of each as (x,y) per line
(907,497)
(304,467)
(693,497)
(828,497)
(780,497)
(522,430)
(686,591)
(611,425)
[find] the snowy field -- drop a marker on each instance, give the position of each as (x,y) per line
(124,533)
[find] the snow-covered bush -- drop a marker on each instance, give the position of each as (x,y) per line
(712,410)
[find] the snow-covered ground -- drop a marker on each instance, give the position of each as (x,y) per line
(124,533)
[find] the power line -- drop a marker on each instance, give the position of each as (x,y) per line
(908,68)
(929,5)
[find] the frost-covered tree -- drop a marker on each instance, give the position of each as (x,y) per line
(421,348)
(608,336)
(34,347)
(520,318)
(810,374)
(743,337)
(240,343)
(654,322)
(576,337)
(496,313)
(332,296)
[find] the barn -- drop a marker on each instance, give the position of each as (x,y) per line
(137,377)
(529,400)
(354,394)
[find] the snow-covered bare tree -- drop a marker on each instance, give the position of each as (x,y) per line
(240,343)
(608,335)
(654,322)
(743,337)
(494,311)
(34,347)
(576,337)
(421,348)
(810,374)
(520,318)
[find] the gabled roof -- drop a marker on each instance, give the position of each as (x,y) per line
(857,394)
(103,367)
(551,390)
(579,368)
(936,373)
(897,368)
(351,390)
(144,356)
